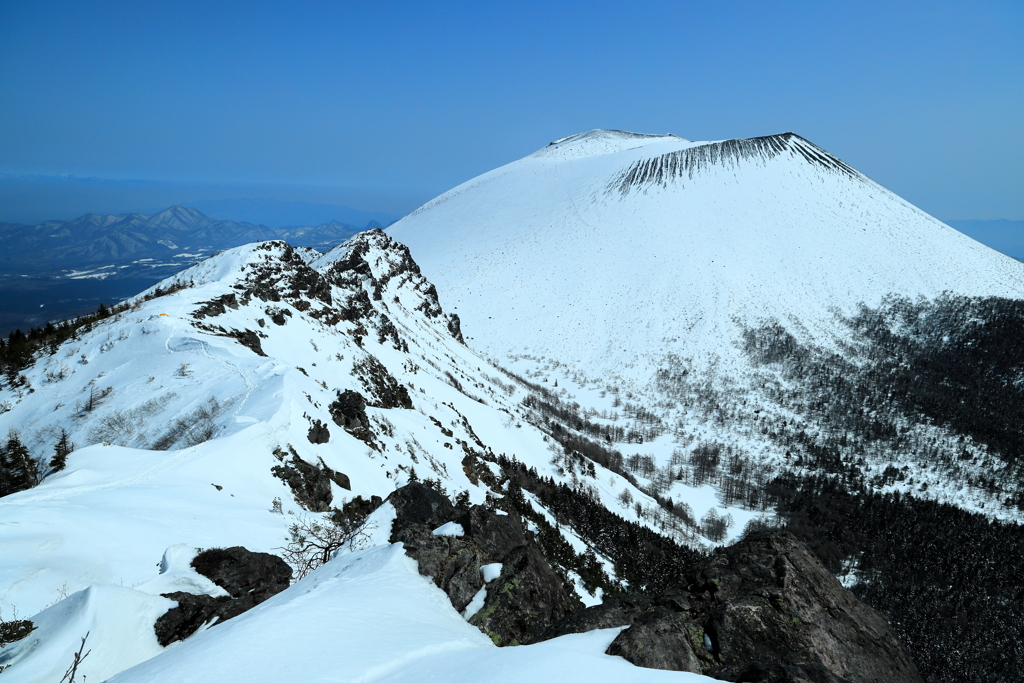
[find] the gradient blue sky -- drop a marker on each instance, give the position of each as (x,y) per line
(384,105)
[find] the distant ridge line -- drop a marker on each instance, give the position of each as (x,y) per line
(671,166)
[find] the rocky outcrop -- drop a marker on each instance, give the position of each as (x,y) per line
(216,306)
(372,264)
(659,638)
(764,609)
(520,603)
(524,600)
(318,432)
(768,604)
(349,412)
(311,484)
(616,610)
(249,578)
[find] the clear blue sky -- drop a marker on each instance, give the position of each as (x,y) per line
(394,103)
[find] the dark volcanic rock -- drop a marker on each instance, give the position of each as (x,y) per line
(660,639)
(524,601)
(768,600)
(349,411)
(419,505)
(178,623)
(217,306)
(763,609)
(244,573)
(310,484)
(318,433)
(521,603)
(248,339)
(248,577)
(495,534)
(616,610)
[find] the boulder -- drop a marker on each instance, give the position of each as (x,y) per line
(248,577)
(348,411)
(524,600)
(178,623)
(660,639)
(310,484)
(768,601)
(244,573)
(318,433)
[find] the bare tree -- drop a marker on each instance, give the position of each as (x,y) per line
(69,675)
(312,542)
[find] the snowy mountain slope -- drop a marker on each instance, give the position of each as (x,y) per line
(605,248)
(713,285)
(184,402)
(383,622)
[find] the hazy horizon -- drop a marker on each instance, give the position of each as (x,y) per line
(381,107)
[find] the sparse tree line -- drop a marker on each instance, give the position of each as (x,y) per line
(20,470)
(20,349)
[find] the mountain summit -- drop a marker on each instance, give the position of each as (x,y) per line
(606,248)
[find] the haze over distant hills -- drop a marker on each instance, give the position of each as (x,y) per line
(34,198)
(62,268)
(284,214)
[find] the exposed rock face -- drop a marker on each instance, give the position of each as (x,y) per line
(178,623)
(243,573)
(761,610)
(318,433)
(311,484)
(248,339)
(659,639)
(248,577)
(349,412)
(524,600)
(616,610)
(372,265)
(520,603)
(767,602)
(217,306)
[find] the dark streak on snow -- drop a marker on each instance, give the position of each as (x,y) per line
(669,167)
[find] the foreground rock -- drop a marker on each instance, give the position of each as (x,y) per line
(248,577)
(460,548)
(761,610)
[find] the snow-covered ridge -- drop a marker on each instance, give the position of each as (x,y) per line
(185,403)
(598,142)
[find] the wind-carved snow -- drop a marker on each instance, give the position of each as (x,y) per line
(596,143)
(384,622)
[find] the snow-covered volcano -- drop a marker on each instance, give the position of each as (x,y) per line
(609,249)
(758,294)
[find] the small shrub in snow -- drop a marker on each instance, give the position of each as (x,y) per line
(14,630)
(312,542)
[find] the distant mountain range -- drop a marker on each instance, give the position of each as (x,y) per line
(107,246)
(285,214)
(59,269)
